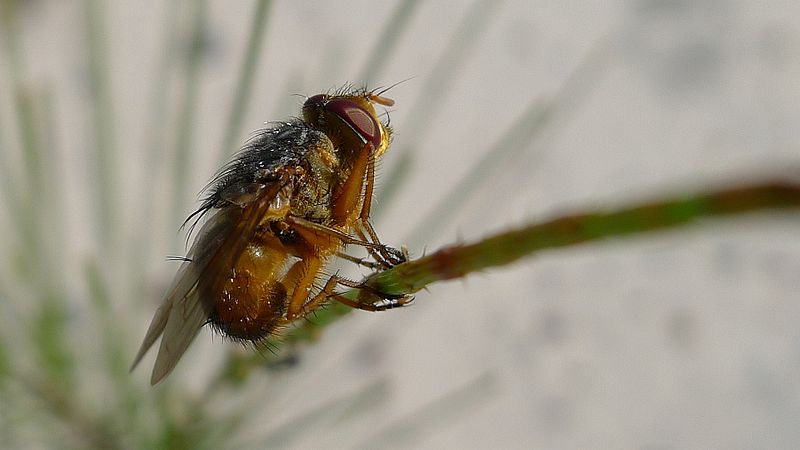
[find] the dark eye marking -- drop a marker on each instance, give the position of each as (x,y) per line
(359,119)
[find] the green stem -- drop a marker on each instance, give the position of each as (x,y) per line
(459,260)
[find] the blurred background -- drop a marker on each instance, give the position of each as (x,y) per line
(114,115)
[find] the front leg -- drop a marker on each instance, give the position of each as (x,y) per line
(384,255)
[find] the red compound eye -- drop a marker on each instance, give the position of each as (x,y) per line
(359,119)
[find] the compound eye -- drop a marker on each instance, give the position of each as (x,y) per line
(359,119)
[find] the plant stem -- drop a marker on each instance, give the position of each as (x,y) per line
(459,260)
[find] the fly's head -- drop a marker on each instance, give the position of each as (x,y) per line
(349,120)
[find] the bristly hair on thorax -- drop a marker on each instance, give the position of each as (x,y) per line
(278,145)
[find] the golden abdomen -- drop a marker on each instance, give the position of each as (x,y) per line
(249,304)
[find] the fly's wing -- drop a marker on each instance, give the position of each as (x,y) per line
(183,286)
(214,253)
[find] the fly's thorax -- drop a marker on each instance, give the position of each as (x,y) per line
(322,173)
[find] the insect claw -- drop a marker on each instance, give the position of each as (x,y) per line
(391,303)
(394,256)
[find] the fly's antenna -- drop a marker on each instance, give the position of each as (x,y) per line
(383,101)
(382,90)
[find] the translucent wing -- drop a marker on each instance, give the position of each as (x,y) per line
(215,251)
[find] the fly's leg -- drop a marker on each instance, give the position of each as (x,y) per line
(353,204)
(355,193)
(300,306)
(304,272)
(302,275)
(359,261)
(384,255)
(366,299)
(312,232)
(373,304)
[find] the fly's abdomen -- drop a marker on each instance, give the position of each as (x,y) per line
(249,304)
